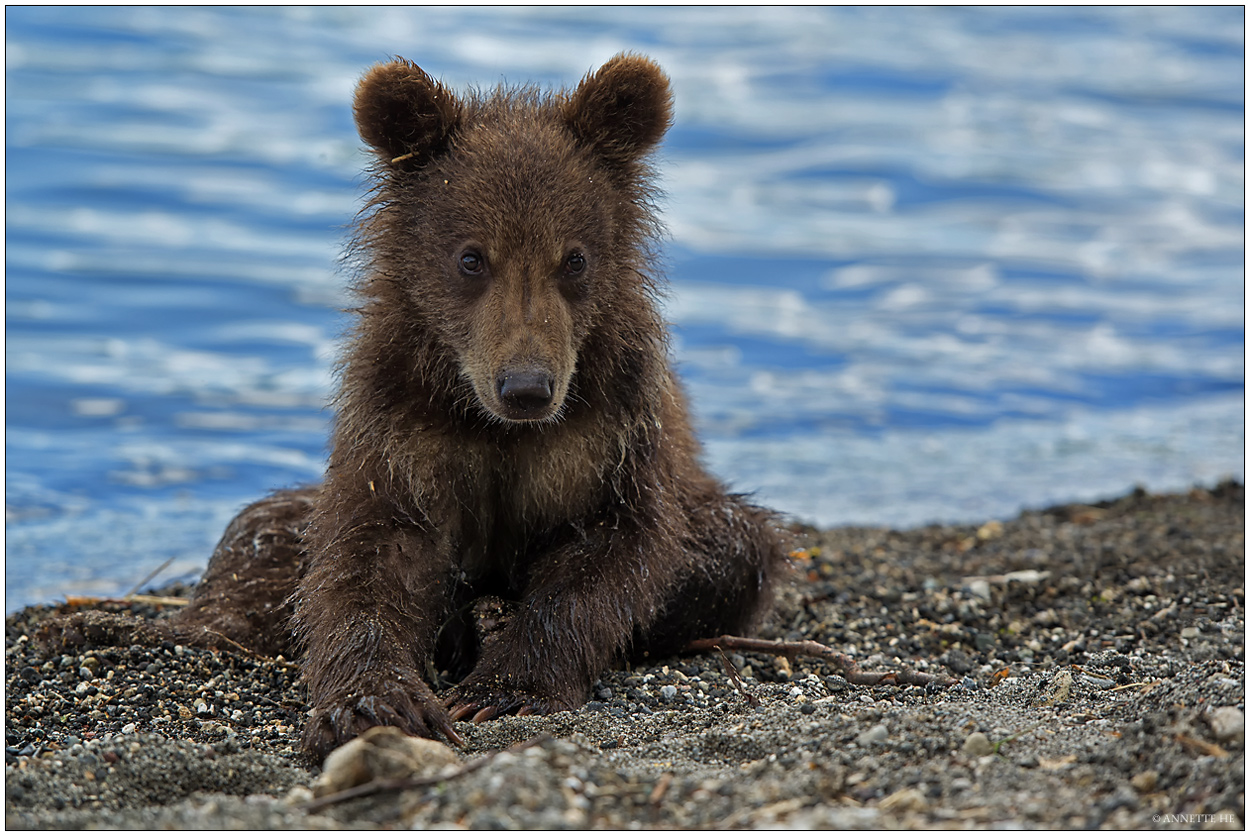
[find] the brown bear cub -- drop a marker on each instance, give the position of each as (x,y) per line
(512,449)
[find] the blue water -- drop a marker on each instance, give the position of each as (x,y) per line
(927,264)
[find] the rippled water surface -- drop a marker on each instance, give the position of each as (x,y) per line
(926,264)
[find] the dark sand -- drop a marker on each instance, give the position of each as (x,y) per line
(1099,652)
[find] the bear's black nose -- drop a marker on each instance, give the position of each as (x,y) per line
(525,392)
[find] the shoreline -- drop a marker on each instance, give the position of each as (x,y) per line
(1099,652)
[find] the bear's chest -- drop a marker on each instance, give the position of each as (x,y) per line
(528,497)
(553,478)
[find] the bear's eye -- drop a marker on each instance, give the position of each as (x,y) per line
(575,263)
(471,263)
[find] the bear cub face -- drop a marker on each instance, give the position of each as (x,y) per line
(509,225)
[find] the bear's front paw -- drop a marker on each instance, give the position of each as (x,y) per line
(352,709)
(481,701)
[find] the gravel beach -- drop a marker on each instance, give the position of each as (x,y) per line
(1098,654)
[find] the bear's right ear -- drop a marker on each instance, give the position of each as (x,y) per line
(406,116)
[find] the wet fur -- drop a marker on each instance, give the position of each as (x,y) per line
(580,528)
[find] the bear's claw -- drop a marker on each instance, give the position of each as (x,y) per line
(478,704)
(351,712)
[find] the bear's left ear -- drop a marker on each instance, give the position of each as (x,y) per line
(622,110)
(404,114)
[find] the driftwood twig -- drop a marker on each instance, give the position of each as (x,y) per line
(847,666)
(660,789)
(155,600)
(135,589)
(732,671)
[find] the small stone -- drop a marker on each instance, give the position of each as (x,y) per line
(877,734)
(1190,633)
(382,752)
(979,588)
(129,728)
(1145,782)
(990,530)
(1026,576)
(298,796)
(668,693)
(978,745)
(1228,724)
(907,800)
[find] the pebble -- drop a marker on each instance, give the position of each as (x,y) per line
(1228,724)
(1190,633)
(979,588)
(382,753)
(905,800)
(1145,782)
(877,734)
(668,693)
(978,745)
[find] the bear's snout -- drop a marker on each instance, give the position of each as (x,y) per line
(526,394)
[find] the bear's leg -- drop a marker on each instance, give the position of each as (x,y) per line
(622,582)
(253,572)
(368,611)
(241,597)
(583,603)
(737,556)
